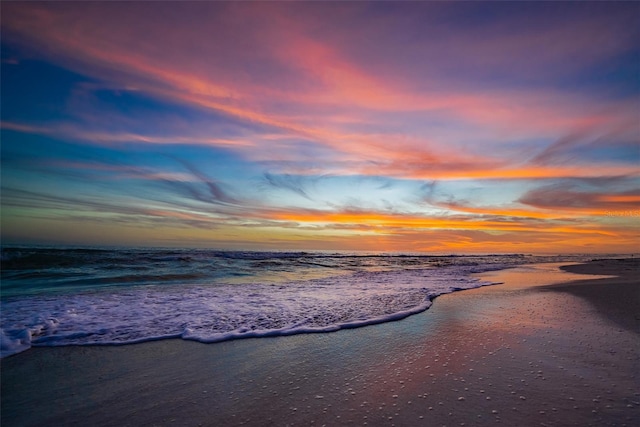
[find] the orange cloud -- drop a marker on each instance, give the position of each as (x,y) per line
(390,223)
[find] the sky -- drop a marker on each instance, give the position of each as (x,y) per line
(432,127)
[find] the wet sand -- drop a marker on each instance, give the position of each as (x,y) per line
(521,353)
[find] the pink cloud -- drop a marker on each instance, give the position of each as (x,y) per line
(203,65)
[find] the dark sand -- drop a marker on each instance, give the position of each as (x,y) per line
(516,354)
(621,306)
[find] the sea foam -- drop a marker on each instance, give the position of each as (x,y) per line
(223,311)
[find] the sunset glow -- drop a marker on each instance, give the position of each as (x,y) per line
(411,126)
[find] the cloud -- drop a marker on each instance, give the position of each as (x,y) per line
(71,131)
(296,184)
(565,196)
(428,189)
(371,115)
(216,193)
(619,136)
(322,74)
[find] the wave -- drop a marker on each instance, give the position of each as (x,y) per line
(225,311)
(57,296)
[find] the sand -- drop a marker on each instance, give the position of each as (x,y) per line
(621,306)
(518,354)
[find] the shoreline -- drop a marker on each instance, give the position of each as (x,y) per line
(511,352)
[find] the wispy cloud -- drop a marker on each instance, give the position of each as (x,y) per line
(73,132)
(295,184)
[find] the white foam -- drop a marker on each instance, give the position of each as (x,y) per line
(20,341)
(218,312)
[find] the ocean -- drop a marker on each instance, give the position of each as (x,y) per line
(102,296)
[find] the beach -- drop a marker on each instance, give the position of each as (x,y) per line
(544,347)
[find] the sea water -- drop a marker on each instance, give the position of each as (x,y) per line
(61,296)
